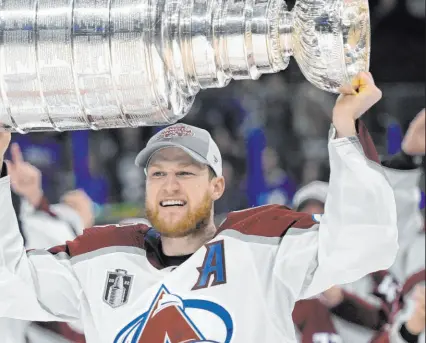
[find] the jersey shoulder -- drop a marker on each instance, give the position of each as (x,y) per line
(267,221)
(98,237)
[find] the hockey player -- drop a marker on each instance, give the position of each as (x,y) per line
(349,313)
(409,326)
(44,225)
(370,302)
(186,281)
(410,322)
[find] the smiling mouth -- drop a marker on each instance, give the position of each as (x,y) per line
(172,203)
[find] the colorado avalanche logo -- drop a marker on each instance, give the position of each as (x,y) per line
(175,131)
(171,319)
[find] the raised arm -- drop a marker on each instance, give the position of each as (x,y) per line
(357,234)
(38,285)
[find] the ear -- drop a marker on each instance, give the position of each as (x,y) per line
(218,185)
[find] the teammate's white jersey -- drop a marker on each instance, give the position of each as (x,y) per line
(409,265)
(49,225)
(13,330)
(405,184)
(238,288)
(413,264)
(43,227)
(410,259)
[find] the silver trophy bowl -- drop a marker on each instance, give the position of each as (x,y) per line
(96,64)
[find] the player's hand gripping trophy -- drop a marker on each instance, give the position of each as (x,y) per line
(67,65)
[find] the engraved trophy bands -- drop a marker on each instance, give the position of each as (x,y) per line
(94,64)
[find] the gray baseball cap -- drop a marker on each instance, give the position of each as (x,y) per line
(195,141)
(316,190)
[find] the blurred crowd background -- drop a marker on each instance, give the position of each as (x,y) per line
(272,132)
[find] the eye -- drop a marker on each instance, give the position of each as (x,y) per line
(184,173)
(158,174)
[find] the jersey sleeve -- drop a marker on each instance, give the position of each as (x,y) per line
(35,285)
(357,234)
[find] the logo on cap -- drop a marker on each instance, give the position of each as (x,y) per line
(175,131)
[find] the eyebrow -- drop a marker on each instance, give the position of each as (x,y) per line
(182,164)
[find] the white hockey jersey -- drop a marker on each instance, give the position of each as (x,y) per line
(413,260)
(410,258)
(405,184)
(409,265)
(13,330)
(49,225)
(240,287)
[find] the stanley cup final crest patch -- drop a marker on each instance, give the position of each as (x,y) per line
(117,288)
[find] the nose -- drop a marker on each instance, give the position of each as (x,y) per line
(171,184)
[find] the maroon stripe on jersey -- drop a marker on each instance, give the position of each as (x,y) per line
(107,236)
(67,332)
(44,206)
(64,330)
(413,280)
(358,311)
(367,142)
(58,249)
(311,317)
(266,221)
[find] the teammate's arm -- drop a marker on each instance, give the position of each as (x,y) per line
(42,224)
(409,326)
(355,309)
(39,285)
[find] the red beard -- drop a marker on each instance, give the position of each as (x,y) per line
(187,225)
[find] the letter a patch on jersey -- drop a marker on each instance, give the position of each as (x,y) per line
(213,266)
(117,288)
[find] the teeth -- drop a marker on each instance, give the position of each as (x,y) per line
(172,203)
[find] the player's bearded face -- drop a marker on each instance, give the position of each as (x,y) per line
(179,193)
(189,220)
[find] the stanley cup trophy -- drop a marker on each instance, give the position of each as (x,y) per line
(96,64)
